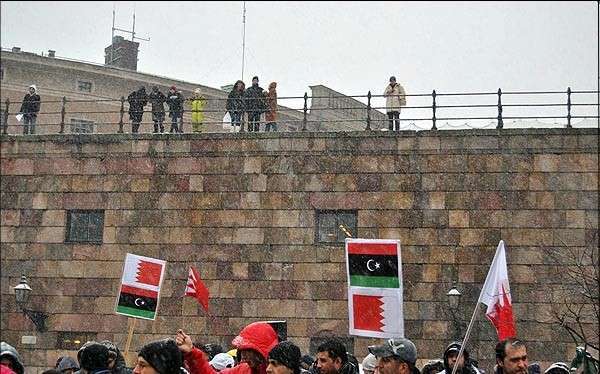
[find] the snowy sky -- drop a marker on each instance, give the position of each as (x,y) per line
(352,47)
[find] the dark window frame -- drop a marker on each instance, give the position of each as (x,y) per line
(70,237)
(82,86)
(73,340)
(340,234)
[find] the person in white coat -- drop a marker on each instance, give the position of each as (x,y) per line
(395,98)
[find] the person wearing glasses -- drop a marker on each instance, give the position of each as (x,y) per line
(511,357)
(396,356)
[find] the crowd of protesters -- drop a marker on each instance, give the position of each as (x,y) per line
(244,105)
(257,350)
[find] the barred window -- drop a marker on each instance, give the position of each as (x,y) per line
(73,340)
(84,86)
(82,126)
(328,225)
(85,226)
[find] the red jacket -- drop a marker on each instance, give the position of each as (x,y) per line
(258,336)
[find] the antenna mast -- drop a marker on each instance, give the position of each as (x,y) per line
(244,40)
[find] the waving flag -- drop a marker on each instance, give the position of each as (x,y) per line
(496,295)
(374,288)
(196,288)
(140,286)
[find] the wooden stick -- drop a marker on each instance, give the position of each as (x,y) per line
(129,336)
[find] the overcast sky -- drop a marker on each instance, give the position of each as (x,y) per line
(352,47)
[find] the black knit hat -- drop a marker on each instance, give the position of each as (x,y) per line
(93,356)
(163,355)
(288,354)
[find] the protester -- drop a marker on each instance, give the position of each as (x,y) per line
(235,103)
(396,356)
(284,358)
(307,362)
(116,361)
(271,115)
(465,366)
(30,109)
(93,358)
(433,367)
(198,103)
(222,361)
(159,357)
(369,363)
(67,365)
(175,102)
(157,99)
(511,357)
(558,368)
(332,358)
(395,98)
(254,343)
(10,359)
(137,101)
(255,105)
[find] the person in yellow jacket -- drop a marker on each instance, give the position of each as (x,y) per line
(198,103)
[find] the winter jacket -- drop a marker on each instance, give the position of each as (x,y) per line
(198,104)
(255,99)
(468,367)
(258,336)
(137,101)
(175,102)
(7,350)
(235,100)
(271,99)
(395,97)
(31,103)
(157,99)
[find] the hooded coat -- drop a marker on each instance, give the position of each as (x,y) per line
(258,336)
(235,100)
(67,363)
(137,101)
(271,115)
(7,350)
(31,103)
(467,368)
(198,103)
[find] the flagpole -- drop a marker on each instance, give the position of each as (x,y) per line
(467,335)
(129,336)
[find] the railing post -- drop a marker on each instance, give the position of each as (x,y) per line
(305,111)
(63,111)
(5,119)
(433,107)
(368,111)
(500,120)
(569,108)
(121,113)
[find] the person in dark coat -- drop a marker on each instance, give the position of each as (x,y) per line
(137,100)
(235,103)
(465,366)
(93,358)
(157,100)
(30,109)
(159,357)
(255,105)
(284,358)
(175,102)
(116,361)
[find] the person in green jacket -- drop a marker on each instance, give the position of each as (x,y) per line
(198,103)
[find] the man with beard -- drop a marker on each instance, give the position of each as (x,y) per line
(511,357)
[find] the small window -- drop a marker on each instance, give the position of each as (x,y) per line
(84,86)
(328,225)
(85,226)
(73,340)
(82,126)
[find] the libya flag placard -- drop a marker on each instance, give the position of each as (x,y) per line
(375,291)
(140,286)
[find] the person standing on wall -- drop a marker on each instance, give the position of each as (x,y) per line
(157,99)
(255,105)
(175,102)
(271,114)
(137,101)
(395,98)
(235,103)
(29,109)
(198,103)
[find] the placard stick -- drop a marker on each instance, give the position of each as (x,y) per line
(129,336)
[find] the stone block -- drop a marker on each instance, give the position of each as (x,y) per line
(248,236)
(458,218)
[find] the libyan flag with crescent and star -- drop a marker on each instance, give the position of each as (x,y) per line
(374,271)
(140,286)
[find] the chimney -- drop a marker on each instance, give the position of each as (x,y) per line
(51,53)
(122,53)
(16,49)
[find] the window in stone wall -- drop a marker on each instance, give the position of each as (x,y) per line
(73,340)
(85,226)
(82,126)
(328,225)
(84,86)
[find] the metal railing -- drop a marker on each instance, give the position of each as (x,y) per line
(354,109)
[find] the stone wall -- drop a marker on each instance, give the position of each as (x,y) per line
(241,208)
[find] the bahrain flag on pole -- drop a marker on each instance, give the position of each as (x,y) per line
(196,288)
(496,295)
(374,288)
(140,286)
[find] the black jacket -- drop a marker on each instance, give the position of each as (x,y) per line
(31,104)
(235,101)
(137,100)
(175,102)
(255,99)
(157,99)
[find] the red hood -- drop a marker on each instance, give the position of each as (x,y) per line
(258,336)
(6,370)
